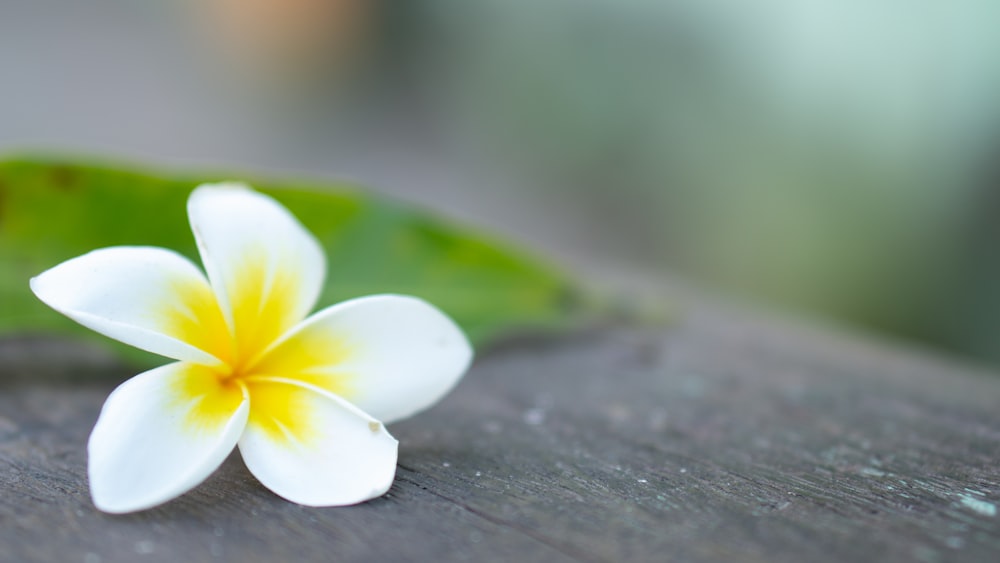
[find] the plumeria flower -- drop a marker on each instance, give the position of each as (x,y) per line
(305,399)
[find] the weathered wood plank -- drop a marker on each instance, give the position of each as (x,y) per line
(722,438)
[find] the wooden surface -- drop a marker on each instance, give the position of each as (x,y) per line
(720,438)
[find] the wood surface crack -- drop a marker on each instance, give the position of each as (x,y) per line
(568,551)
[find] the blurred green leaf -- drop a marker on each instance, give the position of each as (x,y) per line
(54,210)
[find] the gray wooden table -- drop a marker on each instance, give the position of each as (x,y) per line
(725,437)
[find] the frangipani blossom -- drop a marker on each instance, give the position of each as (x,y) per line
(305,399)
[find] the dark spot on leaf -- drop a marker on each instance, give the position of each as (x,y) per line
(3,201)
(64,178)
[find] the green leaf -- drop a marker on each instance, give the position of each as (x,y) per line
(51,211)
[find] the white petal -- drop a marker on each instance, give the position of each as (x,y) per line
(151,298)
(160,434)
(266,269)
(389,355)
(312,447)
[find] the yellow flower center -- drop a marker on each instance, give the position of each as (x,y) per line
(251,362)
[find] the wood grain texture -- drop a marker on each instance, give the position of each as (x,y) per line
(725,437)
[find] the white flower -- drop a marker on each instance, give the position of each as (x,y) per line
(304,398)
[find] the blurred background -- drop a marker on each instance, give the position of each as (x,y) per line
(834,158)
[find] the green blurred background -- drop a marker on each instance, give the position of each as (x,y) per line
(836,158)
